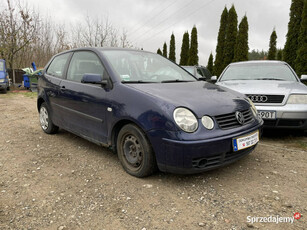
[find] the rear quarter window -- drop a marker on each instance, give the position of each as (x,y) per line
(57,66)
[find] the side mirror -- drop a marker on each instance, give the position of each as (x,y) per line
(304,78)
(214,78)
(91,78)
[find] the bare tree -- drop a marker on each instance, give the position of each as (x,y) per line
(61,39)
(124,40)
(25,37)
(97,32)
(18,26)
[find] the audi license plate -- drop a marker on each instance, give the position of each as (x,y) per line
(267,114)
(246,141)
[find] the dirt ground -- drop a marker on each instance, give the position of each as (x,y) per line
(65,182)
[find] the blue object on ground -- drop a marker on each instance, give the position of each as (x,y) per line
(26,81)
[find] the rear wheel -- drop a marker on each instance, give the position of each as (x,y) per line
(45,120)
(135,152)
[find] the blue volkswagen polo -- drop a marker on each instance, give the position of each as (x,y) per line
(153,113)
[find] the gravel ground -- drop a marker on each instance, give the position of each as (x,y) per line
(65,182)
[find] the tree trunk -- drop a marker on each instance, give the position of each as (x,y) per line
(13,71)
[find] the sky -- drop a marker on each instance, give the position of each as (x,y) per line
(150,23)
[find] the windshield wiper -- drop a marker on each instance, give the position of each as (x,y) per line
(235,80)
(138,81)
(177,80)
(270,79)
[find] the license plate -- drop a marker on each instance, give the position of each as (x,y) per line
(246,141)
(267,114)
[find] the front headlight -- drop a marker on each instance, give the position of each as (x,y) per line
(297,99)
(2,80)
(185,119)
(254,110)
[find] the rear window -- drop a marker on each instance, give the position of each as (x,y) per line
(57,66)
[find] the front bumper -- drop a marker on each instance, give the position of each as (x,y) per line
(188,157)
(289,116)
(3,85)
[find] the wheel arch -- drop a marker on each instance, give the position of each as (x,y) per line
(118,126)
(40,101)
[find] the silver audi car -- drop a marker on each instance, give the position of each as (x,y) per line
(278,94)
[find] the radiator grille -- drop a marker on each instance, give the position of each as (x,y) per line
(259,98)
(229,120)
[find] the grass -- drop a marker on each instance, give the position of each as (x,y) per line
(30,94)
(297,141)
(10,94)
(302,144)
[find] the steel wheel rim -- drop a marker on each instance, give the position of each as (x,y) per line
(132,151)
(44,118)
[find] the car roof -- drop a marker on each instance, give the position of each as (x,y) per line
(193,66)
(103,49)
(259,62)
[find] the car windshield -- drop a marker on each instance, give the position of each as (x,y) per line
(1,66)
(190,69)
(142,67)
(258,71)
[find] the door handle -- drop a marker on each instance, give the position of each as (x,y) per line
(63,87)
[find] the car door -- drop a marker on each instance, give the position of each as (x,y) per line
(51,80)
(84,105)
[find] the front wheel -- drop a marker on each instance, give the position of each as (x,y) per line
(45,120)
(135,152)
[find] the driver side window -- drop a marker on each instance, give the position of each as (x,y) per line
(84,62)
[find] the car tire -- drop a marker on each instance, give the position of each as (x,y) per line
(135,152)
(5,90)
(45,120)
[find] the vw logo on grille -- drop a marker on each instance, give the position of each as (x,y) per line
(240,117)
(258,98)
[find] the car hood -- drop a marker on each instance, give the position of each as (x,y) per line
(201,97)
(265,87)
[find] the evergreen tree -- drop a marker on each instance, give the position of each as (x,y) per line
(164,53)
(159,51)
(272,49)
(193,52)
(172,48)
(279,54)
(231,36)
(219,57)
(210,63)
(184,55)
(293,32)
(241,48)
(257,55)
(301,58)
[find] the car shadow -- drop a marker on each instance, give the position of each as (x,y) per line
(282,133)
(177,179)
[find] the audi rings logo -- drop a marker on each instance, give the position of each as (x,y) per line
(240,117)
(258,98)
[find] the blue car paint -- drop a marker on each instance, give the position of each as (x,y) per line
(3,75)
(84,109)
